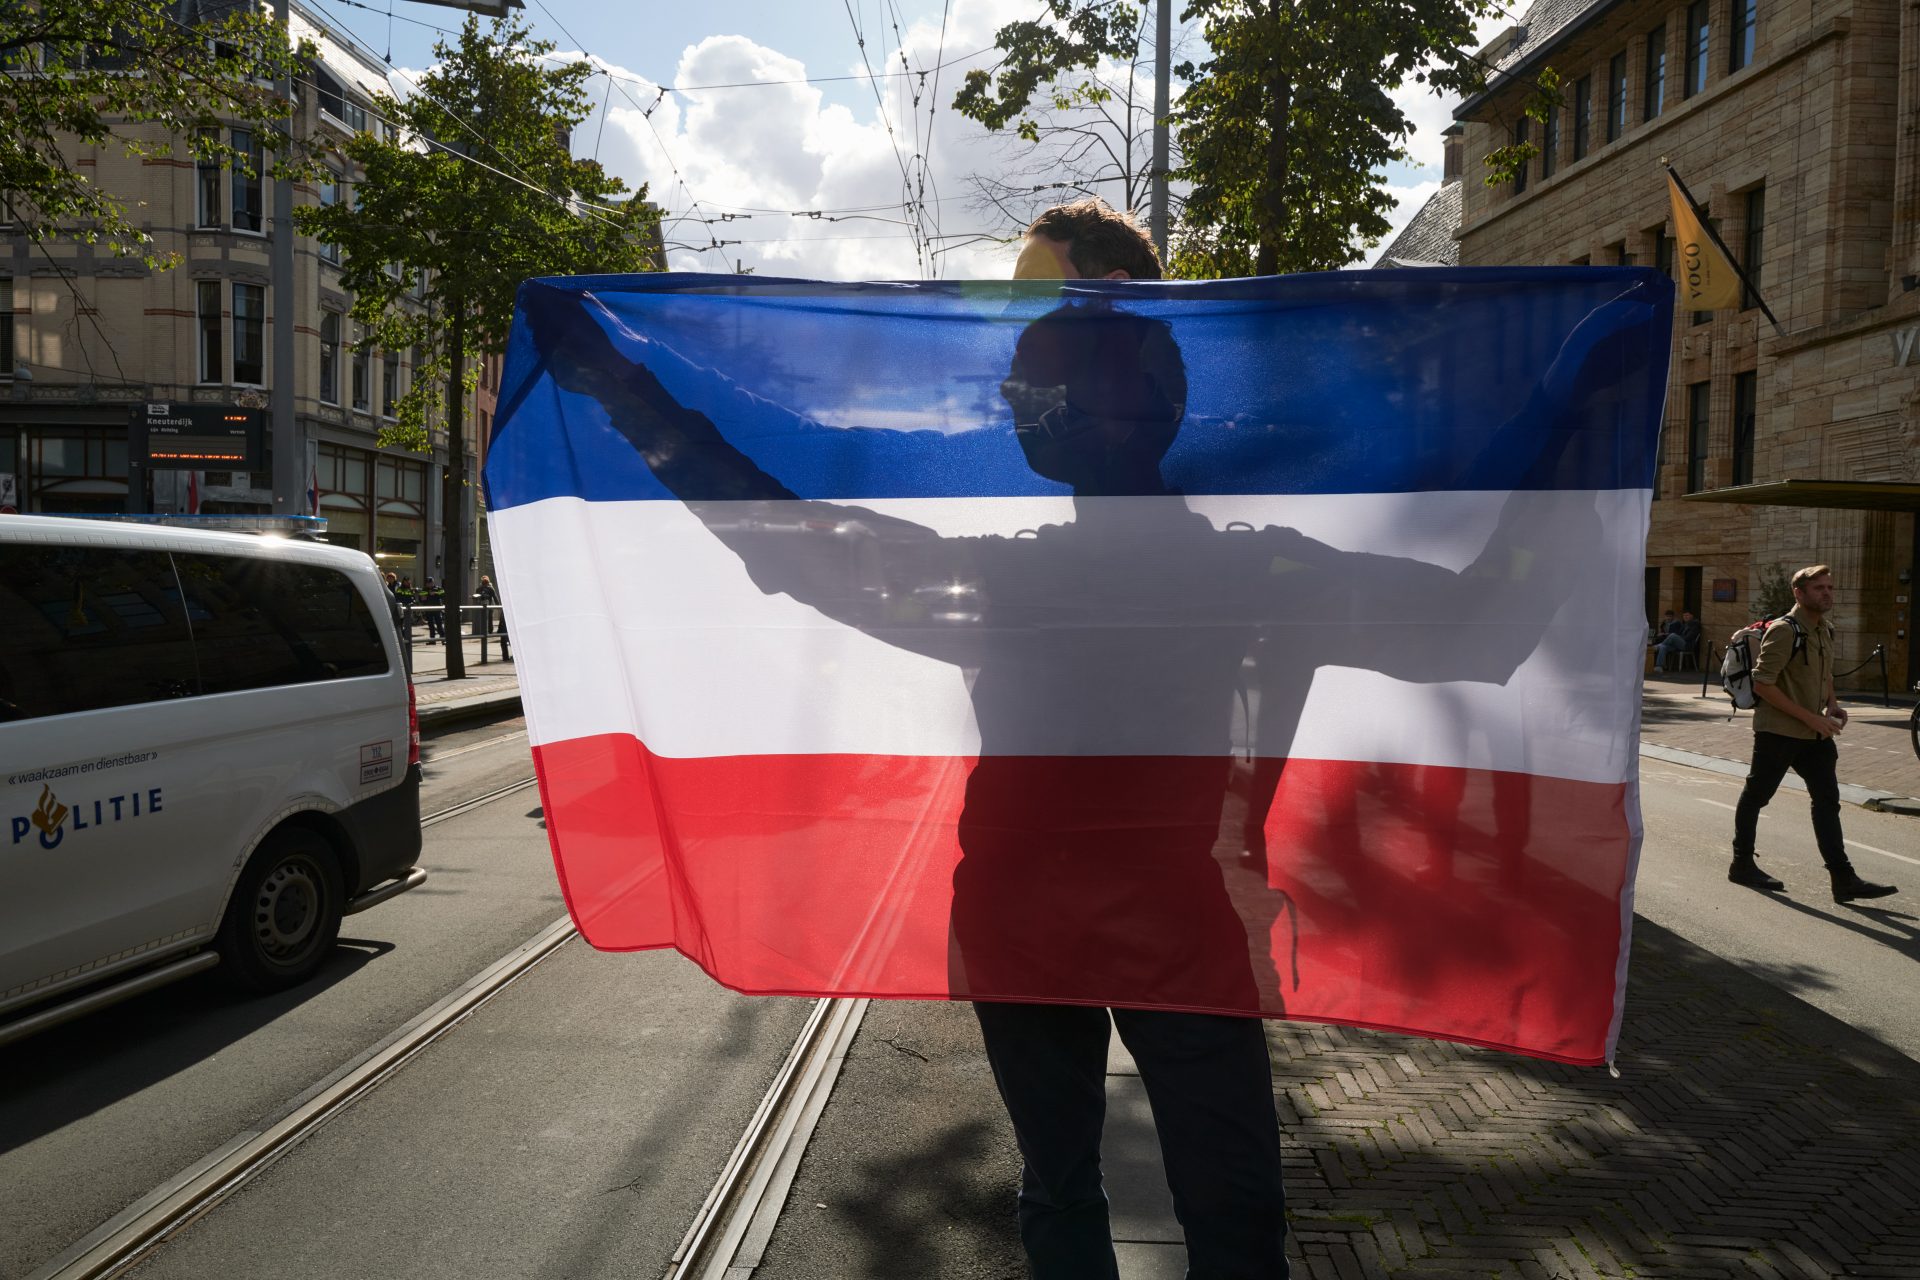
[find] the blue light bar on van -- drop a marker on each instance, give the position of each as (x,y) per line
(289,526)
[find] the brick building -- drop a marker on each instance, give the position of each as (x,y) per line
(85,336)
(1798,129)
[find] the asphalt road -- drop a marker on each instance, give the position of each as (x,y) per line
(96,1113)
(1854,962)
(572,1126)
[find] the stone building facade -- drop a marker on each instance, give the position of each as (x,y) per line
(85,336)
(1797,127)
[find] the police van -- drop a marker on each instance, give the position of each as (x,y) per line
(209,754)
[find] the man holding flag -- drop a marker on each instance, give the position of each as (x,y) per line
(1102,655)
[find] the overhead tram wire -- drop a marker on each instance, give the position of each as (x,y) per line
(646,116)
(906,183)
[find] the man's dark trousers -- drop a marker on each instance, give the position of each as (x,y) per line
(1211,1089)
(1815,760)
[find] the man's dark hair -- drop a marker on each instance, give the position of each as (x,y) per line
(1099,239)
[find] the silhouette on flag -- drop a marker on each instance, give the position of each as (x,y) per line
(1268,647)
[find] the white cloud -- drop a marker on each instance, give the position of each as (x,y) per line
(1410,199)
(758,152)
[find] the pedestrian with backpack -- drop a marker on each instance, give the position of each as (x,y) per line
(1795,720)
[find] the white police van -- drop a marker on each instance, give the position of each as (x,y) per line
(208,754)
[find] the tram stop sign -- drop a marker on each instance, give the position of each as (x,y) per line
(194,437)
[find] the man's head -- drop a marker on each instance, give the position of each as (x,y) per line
(1669,615)
(1086,240)
(1685,616)
(1813,588)
(1097,395)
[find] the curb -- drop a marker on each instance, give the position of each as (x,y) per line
(481,706)
(1865,797)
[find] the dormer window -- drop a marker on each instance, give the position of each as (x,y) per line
(335,102)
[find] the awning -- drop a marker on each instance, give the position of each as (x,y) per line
(1852,495)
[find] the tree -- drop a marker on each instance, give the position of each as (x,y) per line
(132,74)
(1287,123)
(473,192)
(1093,136)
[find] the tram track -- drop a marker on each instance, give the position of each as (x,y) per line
(727,1236)
(133,1233)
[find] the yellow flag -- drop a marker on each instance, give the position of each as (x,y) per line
(1707,279)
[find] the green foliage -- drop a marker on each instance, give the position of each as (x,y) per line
(1039,50)
(1774,595)
(475,191)
(1286,125)
(124,73)
(1504,164)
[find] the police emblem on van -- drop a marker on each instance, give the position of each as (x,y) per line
(50,816)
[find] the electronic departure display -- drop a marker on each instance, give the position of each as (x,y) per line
(190,437)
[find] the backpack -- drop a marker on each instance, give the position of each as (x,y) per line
(1743,652)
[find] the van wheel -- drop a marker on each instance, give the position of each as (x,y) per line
(285,913)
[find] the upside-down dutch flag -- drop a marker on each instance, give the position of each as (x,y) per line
(1268,647)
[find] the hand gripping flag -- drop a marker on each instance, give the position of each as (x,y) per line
(1269,647)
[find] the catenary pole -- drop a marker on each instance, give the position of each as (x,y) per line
(1162,37)
(289,453)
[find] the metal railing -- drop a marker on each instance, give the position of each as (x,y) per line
(485,622)
(1879,655)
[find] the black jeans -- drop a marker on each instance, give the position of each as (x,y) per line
(1814,760)
(1211,1088)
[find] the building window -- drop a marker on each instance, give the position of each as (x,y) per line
(335,102)
(249,334)
(1618,251)
(1549,144)
(1745,410)
(361,399)
(1697,35)
(1582,116)
(330,357)
(6,327)
(212,367)
(1617,96)
(246,182)
(1656,88)
(1520,140)
(1699,401)
(206,186)
(389,382)
(1746,21)
(1756,243)
(1662,252)
(329,197)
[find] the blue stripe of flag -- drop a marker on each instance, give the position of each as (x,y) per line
(1340,382)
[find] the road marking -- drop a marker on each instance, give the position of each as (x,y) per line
(1718,804)
(1885,853)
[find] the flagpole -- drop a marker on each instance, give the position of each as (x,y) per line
(1700,215)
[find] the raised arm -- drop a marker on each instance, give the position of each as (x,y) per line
(849,562)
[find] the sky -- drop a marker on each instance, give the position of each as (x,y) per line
(741,170)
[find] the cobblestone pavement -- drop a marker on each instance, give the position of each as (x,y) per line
(1748,1135)
(1876,749)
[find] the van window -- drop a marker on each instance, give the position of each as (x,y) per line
(260,622)
(88,627)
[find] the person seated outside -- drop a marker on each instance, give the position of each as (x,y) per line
(1682,637)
